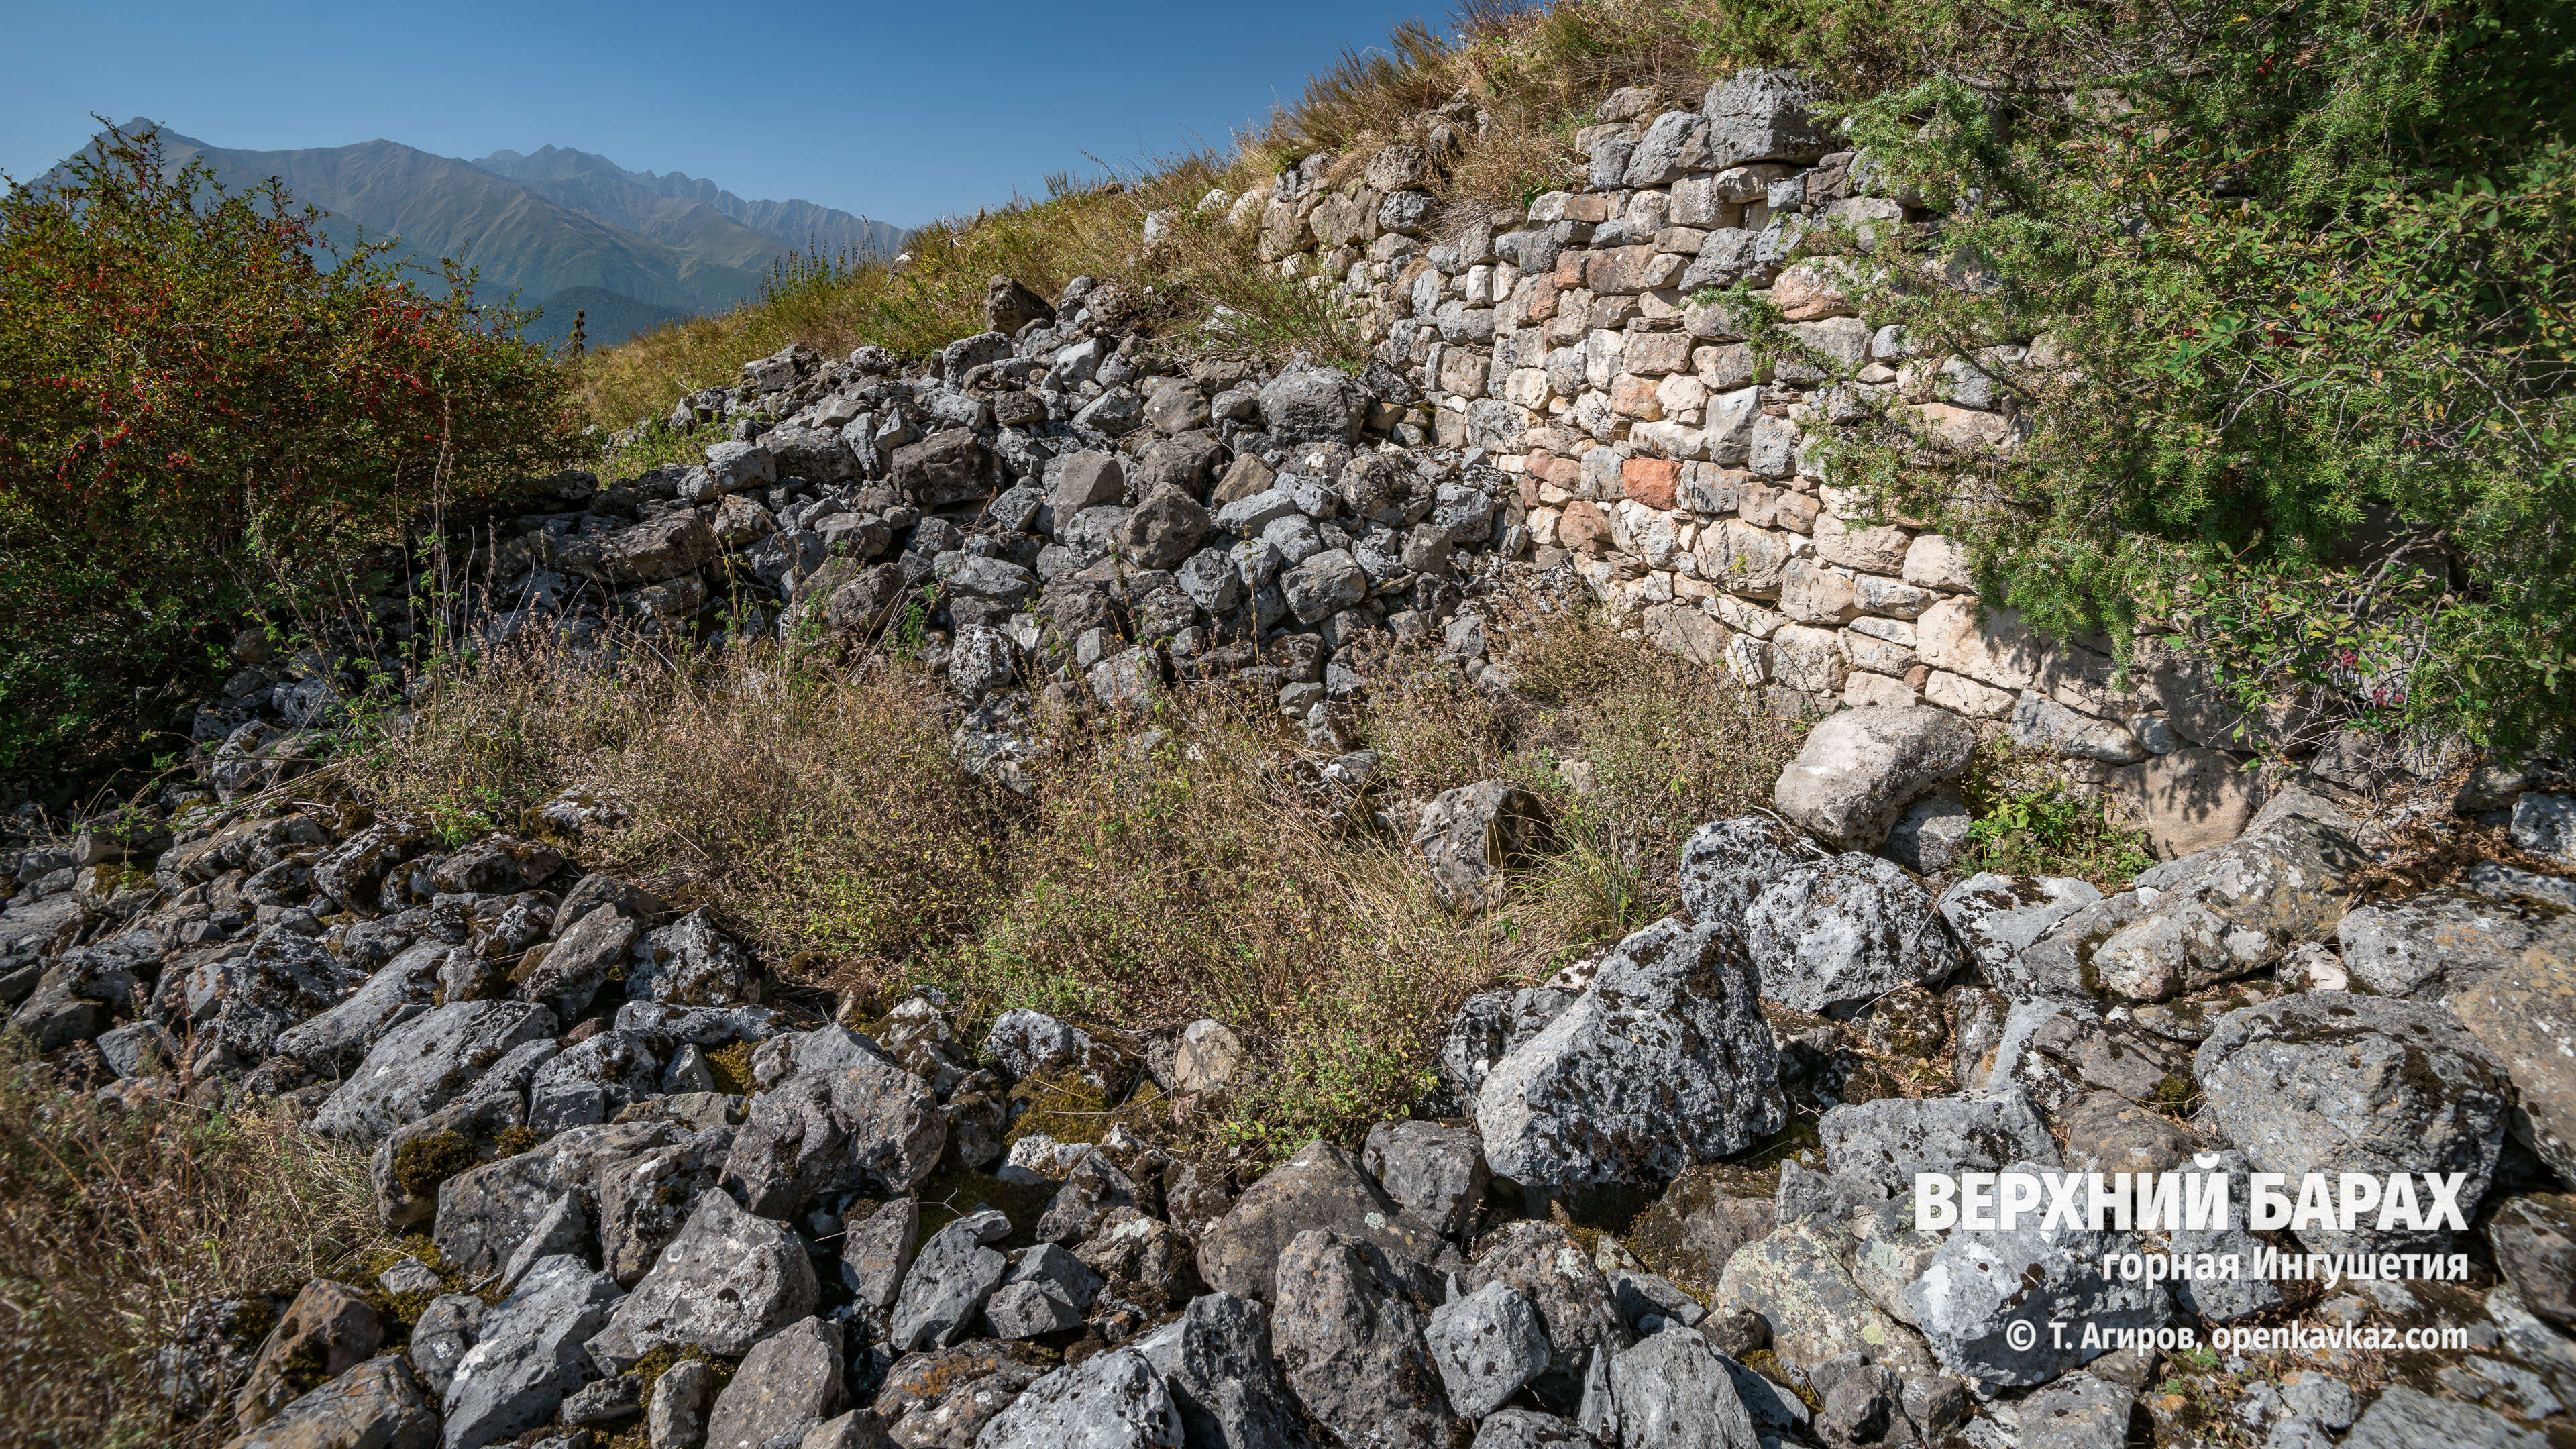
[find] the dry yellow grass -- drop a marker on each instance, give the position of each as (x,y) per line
(112,1223)
(917,306)
(1147,883)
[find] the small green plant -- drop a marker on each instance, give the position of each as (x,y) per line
(2023,821)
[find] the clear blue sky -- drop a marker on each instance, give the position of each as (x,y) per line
(898,111)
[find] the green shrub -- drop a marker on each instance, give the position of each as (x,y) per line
(2302,383)
(197,404)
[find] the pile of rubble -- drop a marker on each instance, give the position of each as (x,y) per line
(661,1212)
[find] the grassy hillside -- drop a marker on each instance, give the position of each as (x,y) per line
(918,305)
(607,318)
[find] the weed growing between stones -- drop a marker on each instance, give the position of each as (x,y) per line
(2029,822)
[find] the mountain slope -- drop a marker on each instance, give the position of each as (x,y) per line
(438,207)
(684,211)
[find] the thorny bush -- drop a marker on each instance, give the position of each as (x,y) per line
(201,410)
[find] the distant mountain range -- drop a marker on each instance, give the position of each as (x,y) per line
(560,229)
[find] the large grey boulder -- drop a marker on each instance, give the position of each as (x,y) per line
(2078,1411)
(328,1328)
(688,963)
(1323,584)
(353,872)
(870,1128)
(1437,1172)
(336,1042)
(1997,917)
(1664,1061)
(485,1213)
(376,1405)
(679,542)
(1112,1400)
(2330,1082)
(729,1280)
(645,1200)
(427,1062)
(2107,1132)
(1761,115)
(1148,1260)
(2545,824)
(1323,1186)
(1727,864)
(588,1081)
(677,1414)
(1313,405)
(1985,1281)
(1045,1291)
(1163,529)
(1088,478)
(949,466)
(876,1254)
(1349,1333)
(1530,1429)
(578,962)
(2447,938)
(1576,1308)
(445,1330)
(528,1355)
(1217,1361)
(1486,1344)
(950,1279)
(1799,1281)
(2223,914)
(2406,1418)
(2042,724)
(2525,1015)
(1673,1391)
(1471,835)
(2534,1237)
(816,455)
(1859,769)
(1931,835)
(1674,145)
(805,1053)
(1888,1141)
(1838,933)
(789,1383)
(239,1004)
(1031,1043)
(1094,1189)
(1490,1026)
(562,1229)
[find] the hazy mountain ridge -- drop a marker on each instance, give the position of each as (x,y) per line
(665,205)
(571,230)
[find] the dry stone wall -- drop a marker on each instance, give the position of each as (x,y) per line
(1652,452)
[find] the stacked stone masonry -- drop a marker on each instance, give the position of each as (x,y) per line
(1649,449)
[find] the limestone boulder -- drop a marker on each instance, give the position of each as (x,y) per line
(1664,1061)
(1859,769)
